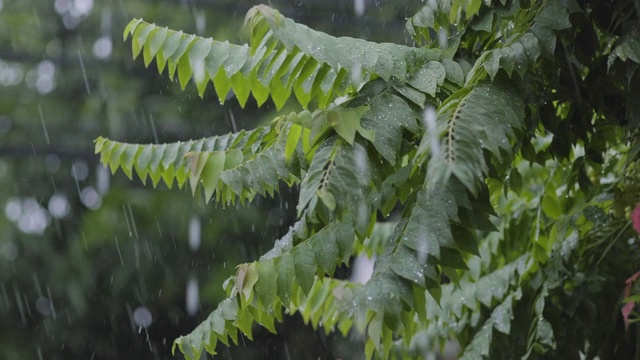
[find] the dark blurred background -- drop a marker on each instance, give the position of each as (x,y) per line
(93,265)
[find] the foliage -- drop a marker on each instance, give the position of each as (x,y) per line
(50,112)
(505,147)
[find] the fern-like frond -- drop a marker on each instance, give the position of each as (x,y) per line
(282,280)
(237,165)
(470,122)
(331,186)
(285,58)
(166,161)
(228,175)
(385,60)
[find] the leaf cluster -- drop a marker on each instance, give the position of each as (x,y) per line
(417,155)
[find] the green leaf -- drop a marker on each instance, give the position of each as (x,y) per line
(453,71)
(546,39)
(515,180)
(211,172)
(248,280)
(293,137)
(425,80)
(266,286)
(346,122)
(555,17)
(314,177)
(387,116)
(139,38)
(304,264)
(405,264)
(551,205)
(156,42)
(502,315)
(327,199)
(130,28)
(286,273)
(479,346)
(325,249)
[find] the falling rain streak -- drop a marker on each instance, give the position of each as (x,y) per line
(119,253)
(192,296)
(153,129)
(44,126)
(429,118)
(195,233)
(84,73)
(359,7)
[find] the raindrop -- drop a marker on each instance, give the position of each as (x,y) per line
(360,159)
(192,296)
(422,256)
(62,6)
(359,7)
(201,22)
(362,269)
(44,126)
(34,219)
(10,74)
(142,317)
(70,22)
(43,305)
(232,118)
(81,7)
(104,179)
(45,82)
(59,206)
(199,73)
(79,170)
(443,41)
(84,73)
(51,307)
(102,48)
(195,230)
(429,118)
(13,209)
(90,198)
(356,73)
(119,252)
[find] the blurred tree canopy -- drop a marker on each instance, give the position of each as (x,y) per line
(92,265)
